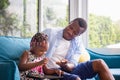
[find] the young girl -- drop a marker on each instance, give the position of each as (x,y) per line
(31,60)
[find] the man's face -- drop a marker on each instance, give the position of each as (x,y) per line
(72,30)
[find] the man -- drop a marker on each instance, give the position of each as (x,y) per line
(65,46)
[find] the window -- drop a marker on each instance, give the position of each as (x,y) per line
(104,23)
(18,17)
(55,13)
(21,18)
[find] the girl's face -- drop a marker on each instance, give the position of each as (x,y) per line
(40,50)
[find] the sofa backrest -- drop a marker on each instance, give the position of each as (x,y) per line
(11,48)
(113,61)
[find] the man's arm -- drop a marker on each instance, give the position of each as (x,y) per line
(76,50)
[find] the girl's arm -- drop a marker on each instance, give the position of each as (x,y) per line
(52,71)
(25,65)
(47,70)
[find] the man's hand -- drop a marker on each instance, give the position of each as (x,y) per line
(65,65)
(62,62)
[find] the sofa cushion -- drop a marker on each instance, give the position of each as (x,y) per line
(11,48)
(84,57)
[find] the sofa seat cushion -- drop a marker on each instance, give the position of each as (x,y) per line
(116,73)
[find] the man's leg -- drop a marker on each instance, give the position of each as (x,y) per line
(84,70)
(102,69)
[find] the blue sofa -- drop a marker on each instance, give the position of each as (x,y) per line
(11,49)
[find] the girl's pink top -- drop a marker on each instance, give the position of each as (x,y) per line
(38,69)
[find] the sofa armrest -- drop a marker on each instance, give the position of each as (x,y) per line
(9,70)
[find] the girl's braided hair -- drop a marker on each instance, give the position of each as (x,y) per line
(37,39)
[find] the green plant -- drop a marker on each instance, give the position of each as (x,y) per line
(4,4)
(8,21)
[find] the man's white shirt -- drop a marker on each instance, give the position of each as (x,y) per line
(59,54)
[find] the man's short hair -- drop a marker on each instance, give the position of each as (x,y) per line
(82,23)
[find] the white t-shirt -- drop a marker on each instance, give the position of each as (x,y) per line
(59,54)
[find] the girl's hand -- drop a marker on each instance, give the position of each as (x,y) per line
(44,61)
(59,72)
